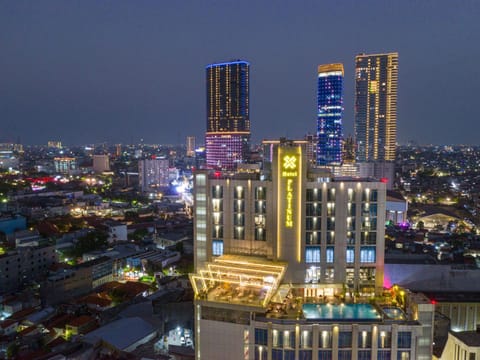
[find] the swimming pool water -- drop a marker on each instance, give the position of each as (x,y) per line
(340,312)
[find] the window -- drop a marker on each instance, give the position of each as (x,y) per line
(345,339)
(383,355)
(260,193)
(260,234)
(325,339)
(261,352)
(238,205)
(312,238)
(364,354)
(313,209)
(364,340)
(289,339)
(314,194)
(331,237)
(239,219)
(384,340)
(217,232)
(330,253)
(239,233)
(277,354)
(305,355)
(367,254)
(312,254)
(260,207)
(350,254)
(368,238)
(350,223)
(331,223)
(370,195)
(277,338)
(331,209)
(351,195)
(344,354)
(324,354)
(217,192)
(239,192)
(404,339)
(312,223)
(289,355)
(405,355)
(331,195)
(350,237)
(306,339)
(217,247)
(351,209)
(261,336)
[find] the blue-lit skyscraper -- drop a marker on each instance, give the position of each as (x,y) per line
(329,114)
(228,122)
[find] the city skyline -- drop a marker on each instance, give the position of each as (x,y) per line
(90,72)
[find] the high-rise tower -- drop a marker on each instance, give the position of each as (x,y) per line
(376,78)
(329,114)
(228,122)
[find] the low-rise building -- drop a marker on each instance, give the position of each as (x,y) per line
(24,265)
(464,345)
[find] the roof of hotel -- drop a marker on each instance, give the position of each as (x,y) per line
(239,280)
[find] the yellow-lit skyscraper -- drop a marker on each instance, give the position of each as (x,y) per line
(191,146)
(376,78)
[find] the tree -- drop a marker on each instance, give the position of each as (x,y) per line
(420,225)
(94,240)
(12,350)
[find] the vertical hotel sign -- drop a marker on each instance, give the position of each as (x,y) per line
(289,173)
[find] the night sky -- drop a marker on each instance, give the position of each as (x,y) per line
(118,71)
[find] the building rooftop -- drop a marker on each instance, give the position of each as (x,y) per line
(81,320)
(123,333)
(239,280)
(469,338)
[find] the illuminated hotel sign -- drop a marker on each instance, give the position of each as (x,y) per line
(289,171)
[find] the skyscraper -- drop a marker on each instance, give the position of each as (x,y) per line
(329,114)
(191,146)
(376,78)
(228,122)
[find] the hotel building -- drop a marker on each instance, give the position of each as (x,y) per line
(228,121)
(289,265)
(329,114)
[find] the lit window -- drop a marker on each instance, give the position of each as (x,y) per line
(217,247)
(330,253)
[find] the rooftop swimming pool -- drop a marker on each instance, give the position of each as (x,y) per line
(342,312)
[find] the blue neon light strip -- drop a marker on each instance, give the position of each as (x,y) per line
(228,63)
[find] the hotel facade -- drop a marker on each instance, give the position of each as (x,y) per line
(289,265)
